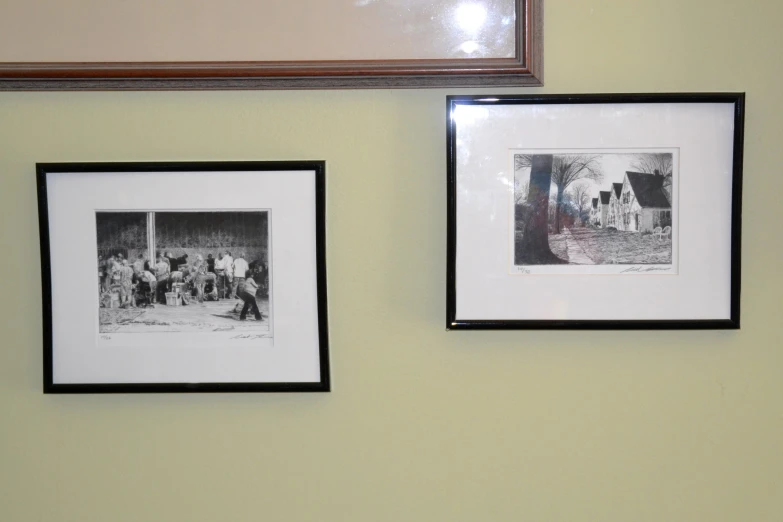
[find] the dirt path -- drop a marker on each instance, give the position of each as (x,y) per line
(576,255)
(211,316)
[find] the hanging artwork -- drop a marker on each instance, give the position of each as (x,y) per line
(594,211)
(210,276)
(271,45)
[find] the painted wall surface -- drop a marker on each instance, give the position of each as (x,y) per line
(423,424)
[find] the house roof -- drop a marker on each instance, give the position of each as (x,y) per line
(648,189)
(595,202)
(618,189)
(605,195)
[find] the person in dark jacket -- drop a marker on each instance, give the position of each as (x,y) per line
(248,294)
(175,262)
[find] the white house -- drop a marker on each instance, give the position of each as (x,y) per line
(603,208)
(594,216)
(614,205)
(643,203)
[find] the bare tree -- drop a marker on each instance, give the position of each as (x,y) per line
(656,163)
(533,247)
(566,169)
(580,197)
(522,161)
(520,192)
(648,163)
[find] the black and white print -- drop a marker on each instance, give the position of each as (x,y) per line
(162,271)
(594,211)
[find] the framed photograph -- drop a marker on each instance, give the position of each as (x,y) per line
(306,44)
(601,211)
(184,277)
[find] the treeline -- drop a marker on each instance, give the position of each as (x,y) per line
(572,214)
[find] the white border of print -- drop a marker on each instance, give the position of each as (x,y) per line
(607,269)
(293,355)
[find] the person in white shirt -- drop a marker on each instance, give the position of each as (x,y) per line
(222,278)
(240,268)
(162,270)
(228,264)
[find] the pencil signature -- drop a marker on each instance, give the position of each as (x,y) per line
(642,269)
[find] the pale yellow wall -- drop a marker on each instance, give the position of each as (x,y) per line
(422,425)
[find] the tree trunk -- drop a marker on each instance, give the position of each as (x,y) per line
(558,207)
(533,247)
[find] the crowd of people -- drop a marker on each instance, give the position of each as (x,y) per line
(144,282)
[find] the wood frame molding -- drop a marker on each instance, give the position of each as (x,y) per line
(525,69)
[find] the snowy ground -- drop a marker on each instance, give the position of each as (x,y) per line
(596,246)
(210,316)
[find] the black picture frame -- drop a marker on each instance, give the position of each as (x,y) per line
(456,141)
(311,174)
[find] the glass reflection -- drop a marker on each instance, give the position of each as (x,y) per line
(445,28)
(470,16)
(469,47)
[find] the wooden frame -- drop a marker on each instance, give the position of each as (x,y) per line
(523,69)
(287,198)
(705,130)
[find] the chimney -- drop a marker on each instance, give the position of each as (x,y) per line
(657,172)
